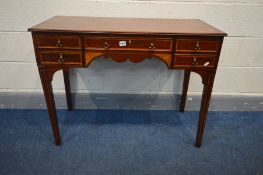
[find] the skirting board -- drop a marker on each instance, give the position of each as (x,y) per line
(131,102)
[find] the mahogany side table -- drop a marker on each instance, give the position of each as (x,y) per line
(65,42)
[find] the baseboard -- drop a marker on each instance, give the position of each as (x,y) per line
(131,101)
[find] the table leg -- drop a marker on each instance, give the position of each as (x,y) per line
(49,96)
(185,88)
(208,81)
(67,88)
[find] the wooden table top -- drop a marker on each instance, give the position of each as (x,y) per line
(114,25)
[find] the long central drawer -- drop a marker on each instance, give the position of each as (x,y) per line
(107,43)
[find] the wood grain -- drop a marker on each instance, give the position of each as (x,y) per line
(65,42)
(127,25)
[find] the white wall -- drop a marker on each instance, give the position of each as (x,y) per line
(240,69)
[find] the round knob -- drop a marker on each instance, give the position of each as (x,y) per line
(59,43)
(151,46)
(61,60)
(106,45)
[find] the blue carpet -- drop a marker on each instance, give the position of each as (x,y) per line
(120,142)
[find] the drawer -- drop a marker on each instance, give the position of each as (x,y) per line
(128,44)
(195,45)
(65,42)
(194,61)
(60,58)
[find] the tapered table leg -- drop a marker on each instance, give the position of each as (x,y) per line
(67,88)
(207,90)
(185,88)
(48,92)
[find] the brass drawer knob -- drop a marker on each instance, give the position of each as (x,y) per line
(59,43)
(61,60)
(197,45)
(194,61)
(151,46)
(106,45)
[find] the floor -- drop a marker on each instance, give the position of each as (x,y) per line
(136,142)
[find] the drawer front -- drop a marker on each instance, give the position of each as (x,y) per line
(64,42)
(128,44)
(195,45)
(194,61)
(60,58)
